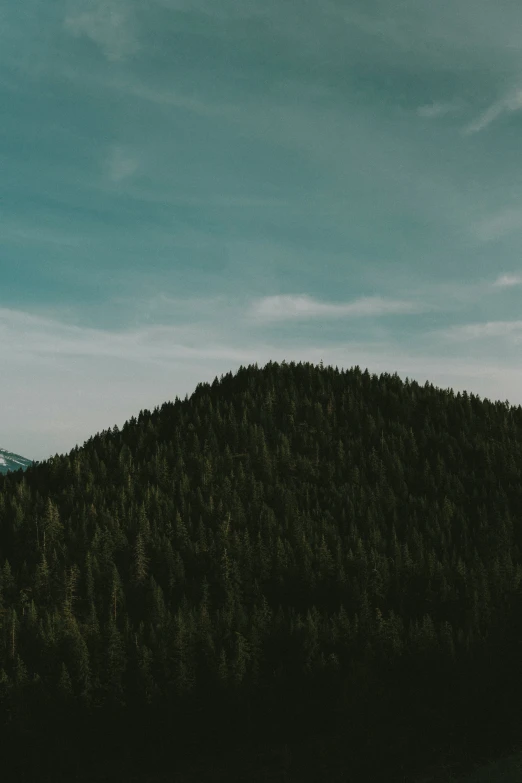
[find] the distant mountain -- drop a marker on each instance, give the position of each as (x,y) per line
(10,461)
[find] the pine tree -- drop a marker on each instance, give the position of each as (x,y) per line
(65,687)
(115,660)
(242,655)
(53,528)
(71,577)
(141,561)
(223,673)
(78,660)
(117,592)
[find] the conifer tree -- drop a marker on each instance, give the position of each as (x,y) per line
(141,561)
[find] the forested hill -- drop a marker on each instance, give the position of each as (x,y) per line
(325,565)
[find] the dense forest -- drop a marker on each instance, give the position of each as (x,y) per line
(298,573)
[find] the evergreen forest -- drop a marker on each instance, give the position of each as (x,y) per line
(295,574)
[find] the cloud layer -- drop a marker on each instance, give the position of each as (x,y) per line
(191,186)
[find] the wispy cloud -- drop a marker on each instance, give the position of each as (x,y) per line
(508,280)
(121,164)
(21,232)
(293,306)
(433,110)
(39,336)
(107,23)
(164,97)
(510,103)
(478,331)
(477,33)
(505,222)
(225,9)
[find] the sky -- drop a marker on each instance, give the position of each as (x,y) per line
(187,186)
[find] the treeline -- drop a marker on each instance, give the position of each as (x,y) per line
(315,572)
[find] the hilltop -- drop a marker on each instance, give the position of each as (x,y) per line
(298,573)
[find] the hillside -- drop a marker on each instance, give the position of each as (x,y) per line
(10,461)
(298,573)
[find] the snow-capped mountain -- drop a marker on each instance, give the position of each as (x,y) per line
(10,461)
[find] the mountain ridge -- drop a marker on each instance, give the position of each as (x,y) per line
(9,461)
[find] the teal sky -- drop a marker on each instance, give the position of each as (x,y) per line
(191,185)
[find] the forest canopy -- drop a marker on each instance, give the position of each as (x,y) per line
(326,561)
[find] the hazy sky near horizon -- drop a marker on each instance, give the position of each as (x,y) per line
(192,185)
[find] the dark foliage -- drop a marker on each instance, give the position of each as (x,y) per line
(296,574)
